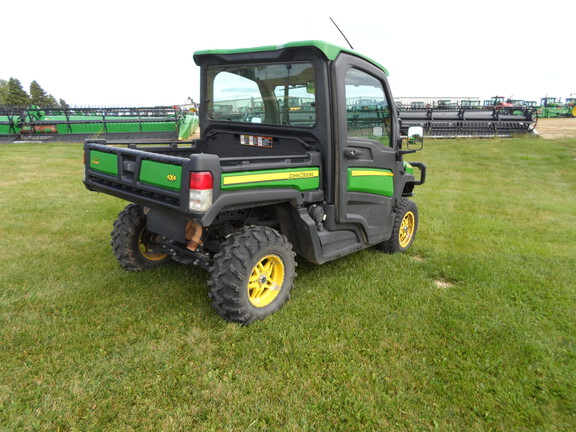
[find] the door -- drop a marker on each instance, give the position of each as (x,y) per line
(366,148)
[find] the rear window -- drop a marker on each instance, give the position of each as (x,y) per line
(277,93)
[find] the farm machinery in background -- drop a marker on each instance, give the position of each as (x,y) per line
(552,107)
(445,118)
(76,124)
(440,118)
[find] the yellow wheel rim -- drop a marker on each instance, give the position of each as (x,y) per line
(266,281)
(145,248)
(407,229)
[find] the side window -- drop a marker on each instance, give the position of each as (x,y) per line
(367,107)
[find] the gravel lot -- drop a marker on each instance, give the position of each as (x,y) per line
(556,127)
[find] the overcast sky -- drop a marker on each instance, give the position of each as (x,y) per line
(135,53)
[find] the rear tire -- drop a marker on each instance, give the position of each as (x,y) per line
(404,230)
(132,243)
(252,275)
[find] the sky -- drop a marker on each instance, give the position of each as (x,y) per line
(134,53)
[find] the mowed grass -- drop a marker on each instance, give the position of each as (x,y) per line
(472,330)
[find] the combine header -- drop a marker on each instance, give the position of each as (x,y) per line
(439,119)
(77,124)
(464,119)
(469,122)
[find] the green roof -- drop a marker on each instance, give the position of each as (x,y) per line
(330,51)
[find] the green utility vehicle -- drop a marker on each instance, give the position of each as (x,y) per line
(300,153)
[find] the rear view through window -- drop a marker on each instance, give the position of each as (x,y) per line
(265,93)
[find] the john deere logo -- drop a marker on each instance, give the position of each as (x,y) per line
(171,177)
(95,161)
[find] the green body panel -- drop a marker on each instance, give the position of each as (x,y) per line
(408,168)
(104,162)
(160,174)
(371,180)
(302,179)
(330,51)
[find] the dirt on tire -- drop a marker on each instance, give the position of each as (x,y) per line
(556,127)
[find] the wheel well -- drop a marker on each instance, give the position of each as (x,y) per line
(408,189)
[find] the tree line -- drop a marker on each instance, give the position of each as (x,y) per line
(12,94)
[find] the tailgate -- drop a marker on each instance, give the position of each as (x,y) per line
(137,175)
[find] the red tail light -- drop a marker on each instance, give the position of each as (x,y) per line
(201,180)
(200,194)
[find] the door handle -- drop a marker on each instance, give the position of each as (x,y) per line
(352,153)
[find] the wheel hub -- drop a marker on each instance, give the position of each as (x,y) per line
(407,229)
(146,240)
(266,280)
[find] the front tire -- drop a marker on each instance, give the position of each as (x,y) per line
(405,227)
(132,243)
(252,275)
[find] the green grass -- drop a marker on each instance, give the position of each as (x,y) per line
(472,330)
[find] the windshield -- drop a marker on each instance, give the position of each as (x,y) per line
(264,93)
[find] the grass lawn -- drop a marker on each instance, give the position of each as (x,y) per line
(473,329)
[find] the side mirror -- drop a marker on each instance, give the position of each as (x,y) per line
(415,138)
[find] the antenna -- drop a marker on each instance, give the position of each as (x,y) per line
(343,35)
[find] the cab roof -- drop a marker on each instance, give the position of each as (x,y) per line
(329,50)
